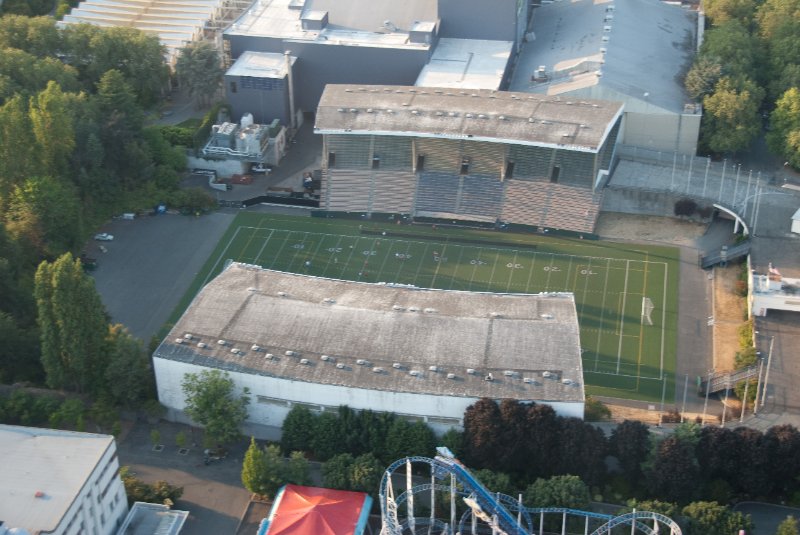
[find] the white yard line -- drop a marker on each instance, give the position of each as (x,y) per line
(622,315)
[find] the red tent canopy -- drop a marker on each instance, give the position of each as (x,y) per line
(315,511)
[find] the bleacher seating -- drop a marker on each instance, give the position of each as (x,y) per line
(393,191)
(551,205)
(347,190)
(481,196)
(437,192)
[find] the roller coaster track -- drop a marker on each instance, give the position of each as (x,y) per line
(502,513)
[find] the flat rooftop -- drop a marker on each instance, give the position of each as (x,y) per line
(277,20)
(466,64)
(383,337)
(54,463)
(260,65)
(477,114)
(153,519)
(639,47)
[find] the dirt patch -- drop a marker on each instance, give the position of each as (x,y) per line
(729,315)
(667,230)
(620,413)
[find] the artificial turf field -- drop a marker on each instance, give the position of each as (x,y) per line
(623,354)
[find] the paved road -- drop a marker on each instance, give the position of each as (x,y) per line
(766,516)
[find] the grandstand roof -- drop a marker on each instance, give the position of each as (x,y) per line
(363,326)
(466,64)
(647,43)
(55,463)
(477,114)
(176,22)
(281,19)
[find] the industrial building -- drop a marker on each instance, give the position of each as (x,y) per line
(60,482)
(475,155)
(630,51)
(322,343)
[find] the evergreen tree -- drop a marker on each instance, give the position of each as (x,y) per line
(254,469)
(297,429)
(298,471)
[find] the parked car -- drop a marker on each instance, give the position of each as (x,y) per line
(104,236)
(260,168)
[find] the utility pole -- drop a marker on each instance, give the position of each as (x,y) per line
(766,374)
(744,401)
(685,387)
(758,386)
(705,403)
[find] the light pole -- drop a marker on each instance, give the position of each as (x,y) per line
(766,374)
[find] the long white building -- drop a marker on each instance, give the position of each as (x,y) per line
(423,354)
(60,482)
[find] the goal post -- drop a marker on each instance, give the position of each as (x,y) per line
(647,309)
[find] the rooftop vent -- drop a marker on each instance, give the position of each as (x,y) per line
(471,371)
(489,378)
(187,336)
(291,353)
(430,311)
(362,362)
(377,369)
(369,110)
(604,39)
(235,351)
(528,380)
(414,112)
(451,114)
(329,300)
(482,116)
(340,366)
(546,374)
(269,356)
(221,342)
(509,373)
(413,373)
(546,316)
(202,345)
(469,116)
(304,361)
(566,381)
(610,8)
(501,117)
(413,309)
(496,315)
(603,50)
(451,376)
(179,340)
(353,110)
(255,348)
(606,29)
(439,113)
(340,110)
(433,368)
(397,365)
(327,358)
(282,294)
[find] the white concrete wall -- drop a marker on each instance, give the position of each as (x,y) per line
(101,505)
(765,302)
(274,391)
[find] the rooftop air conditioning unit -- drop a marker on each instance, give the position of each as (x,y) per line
(566,381)
(269,356)
(304,361)
(546,374)
(187,336)
(377,369)
(202,345)
(361,362)
(471,371)
(415,373)
(290,353)
(397,365)
(451,376)
(509,373)
(327,358)
(527,380)
(255,348)
(179,340)
(234,351)
(221,342)
(433,368)
(340,366)
(489,378)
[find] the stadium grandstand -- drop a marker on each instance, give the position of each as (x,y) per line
(322,343)
(472,155)
(176,22)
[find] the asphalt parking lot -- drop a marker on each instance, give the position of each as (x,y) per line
(150,263)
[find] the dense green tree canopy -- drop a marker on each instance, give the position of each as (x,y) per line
(200,70)
(213,402)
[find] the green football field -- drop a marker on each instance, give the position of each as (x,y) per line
(625,294)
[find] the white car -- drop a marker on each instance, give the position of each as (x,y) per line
(103,236)
(260,168)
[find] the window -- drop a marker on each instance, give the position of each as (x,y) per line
(331,159)
(509,169)
(233,87)
(554,174)
(376,162)
(464,166)
(420,162)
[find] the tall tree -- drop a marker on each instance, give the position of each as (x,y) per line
(327,440)
(721,11)
(44,215)
(254,469)
(630,444)
(731,119)
(129,376)
(199,69)
(212,401)
(298,471)
(336,472)
(732,46)
(52,127)
(783,442)
(674,472)
(297,430)
(558,491)
(784,136)
(16,146)
(482,433)
(365,473)
(73,326)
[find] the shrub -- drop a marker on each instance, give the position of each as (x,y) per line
(746,357)
(595,411)
(685,207)
(746,334)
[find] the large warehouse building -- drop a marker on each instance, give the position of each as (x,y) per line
(423,354)
(475,155)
